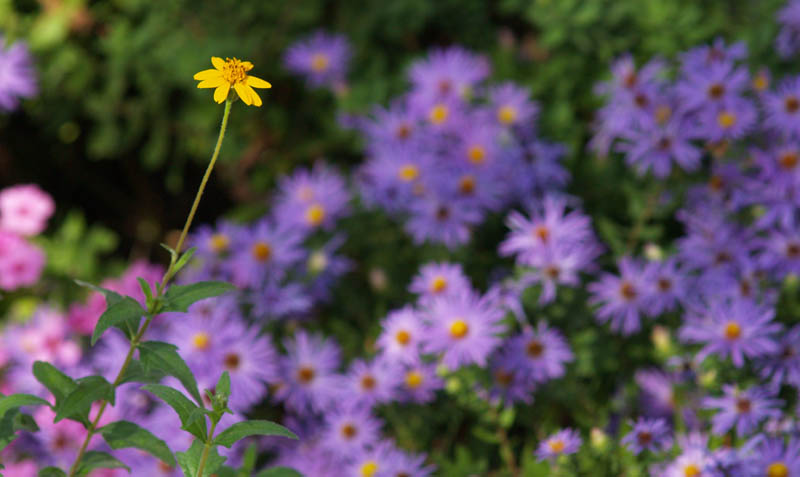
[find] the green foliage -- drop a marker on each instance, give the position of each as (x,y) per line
(190,459)
(52,472)
(16,401)
(79,401)
(279,472)
(165,357)
(99,460)
(181,297)
(125,314)
(240,430)
(12,422)
(182,406)
(60,385)
(124,434)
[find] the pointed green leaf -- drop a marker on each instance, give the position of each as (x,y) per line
(79,401)
(181,297)
(190,460)
(182,406)
(187,255)
(243,429)
(249,460)
(124,434)
(148,292)
(54,380)
(124,314)
(164,356)
(111,296)
(279,472)
(135,373)
(99,460)
(15,401)
(14,421)
(223,387)
(52,472)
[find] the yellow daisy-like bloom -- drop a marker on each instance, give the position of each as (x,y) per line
(231,72)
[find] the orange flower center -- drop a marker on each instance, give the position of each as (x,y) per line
(315,214)
(726,119)
(306,374)
(507,115)
(438,284)
(732,330)
(438,114)
(319,62)
(261,251)
(408,173)
(219,243)
(414,379)
(557,446)
(534,348)
(402,337)
(476,154)
(201,341)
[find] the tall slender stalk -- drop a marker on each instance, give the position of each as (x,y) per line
(168,275)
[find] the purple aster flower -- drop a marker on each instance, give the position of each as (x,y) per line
(623,299)
(403,464)
(560,263)
(707,55)
(201,341)
(439,279)
(395,176)
(322,58)
(448,73)
(737,328)
(512,105)
(564,442)
(392,127)
(781,252)
(783,107)
(349,428)
(511,382)
(308,373)
(654,145)
(370,383)
(326,267)
(419,384)
(402,334)
(657,390)
(312,199)
(543,352)
(250,359)
(693,462)
(278,299)
(216,242)
(267,251)
(442,220)
(772,457)
(788,40)
(784,365)
(648,434)
(671,285)
(712,86)
(17,77)
(730,120)
(741,409)
(463,328)
(547,171)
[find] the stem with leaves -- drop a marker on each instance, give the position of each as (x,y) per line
(206,449)
(154,305)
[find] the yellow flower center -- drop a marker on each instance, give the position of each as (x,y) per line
(663,113)
(777,469)
(733,330)
(438,284)
(459,329)
(315,214)
(466,185)
(235,71)
(691,470)
(760,82)
(261,251)
(414,379)
(726,119)
(556,446)
(402,337)
(408,173)
(219,243)
(319,62)
(476,154)
(438,114)
(369,468)
(201,341)
(507,114)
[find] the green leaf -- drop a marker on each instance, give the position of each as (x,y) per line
(136,373)
(164,356)
(111,296)
(249,460)
(15,401)
(79,401)
(243,429)
(148,292)
(124,314)
(190,460)
(187,255)
(223,387)
(52,472)
(182,406)
(124,434)
(54,380)
(279,472)
(12,422)
(181,297)
(99,460)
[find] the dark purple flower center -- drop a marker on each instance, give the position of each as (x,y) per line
(792,104)
(743,405)
(628,291)
(232,361)
(716,90)
(644,437)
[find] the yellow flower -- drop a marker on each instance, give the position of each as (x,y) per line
(231,72)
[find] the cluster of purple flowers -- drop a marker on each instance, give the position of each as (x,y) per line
(17,76)
(24,211)
(454,148)
(321,58)
(788,40)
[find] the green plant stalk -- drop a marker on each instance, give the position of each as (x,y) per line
(206,449)
(152,310)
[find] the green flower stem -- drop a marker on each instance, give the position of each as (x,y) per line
(206,449)
(168,275)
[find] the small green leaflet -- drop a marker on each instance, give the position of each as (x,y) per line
(124,314)
(279,472)
(182,406)
(181,297)
(165,357)
(99,460)
(190,459)
(52,472)
(89,390)
(124,434)
(15,401)
(243,429)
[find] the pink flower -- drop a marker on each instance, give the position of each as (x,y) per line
(24,209)
(20,262)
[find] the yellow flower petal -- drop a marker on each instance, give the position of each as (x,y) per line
(221,92)
(208,74)
(218,62)
(247,65)
(244,93)
(211,83)
(254,96)
(257,82)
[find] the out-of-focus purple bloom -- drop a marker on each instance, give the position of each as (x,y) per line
(728,121)
(743,409)
(448,73)
(511,383)
(656,145)
(439,279)
(17,77)
(788,40)
(657,392)
(564,442)
(441,220)
(250,359)
(267,251)
(311,199)
(308,373)
(706,56)
(370,383)
(403,331)
(512,105)
(648,434)
(542,352)
(322,58)
(671,285)
(737,328)
(784,365)
(783,107)
(349,428)
(401,464)
(419,383)
(772,457)
(623,299)
(463,328)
